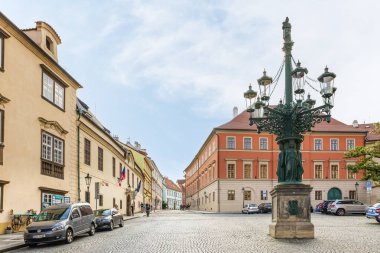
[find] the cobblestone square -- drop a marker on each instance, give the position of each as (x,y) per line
(184,231)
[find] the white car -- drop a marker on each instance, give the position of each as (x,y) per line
(251,208)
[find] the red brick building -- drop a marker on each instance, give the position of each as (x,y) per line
(235,165)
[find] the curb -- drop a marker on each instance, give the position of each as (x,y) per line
(13,248)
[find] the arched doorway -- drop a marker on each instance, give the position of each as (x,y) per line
(334,193)
(129,213)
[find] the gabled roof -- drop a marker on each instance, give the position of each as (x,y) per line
(371,136)
(240,122)
(172,186)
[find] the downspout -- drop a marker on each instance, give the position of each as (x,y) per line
(78,148)
(217,172)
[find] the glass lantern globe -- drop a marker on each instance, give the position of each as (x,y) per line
(265,86)
(326,81)
(298,76)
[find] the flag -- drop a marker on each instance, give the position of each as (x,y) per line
(123,174)
(138,187)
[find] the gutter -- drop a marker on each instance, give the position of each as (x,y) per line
(217,174)
(79,111)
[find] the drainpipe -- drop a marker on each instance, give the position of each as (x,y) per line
(79,111)
(217,172)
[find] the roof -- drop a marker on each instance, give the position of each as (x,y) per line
(240,122)
(371,136)
(170,185)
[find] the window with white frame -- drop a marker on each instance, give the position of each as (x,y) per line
(318,171)
(334,171)
(52,154)
(350,144)
(247,143)
(264,143)
(264,195)
(231,170)
(3,36)
(230,142)
(317,144)
(247,170)
(318,195)
(350,173)
(231,195)
(1,136)
(53,91)
(263,170)
(334,145)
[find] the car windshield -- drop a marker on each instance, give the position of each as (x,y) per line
(103,212)
(376,205)
(252,205)
(53,214)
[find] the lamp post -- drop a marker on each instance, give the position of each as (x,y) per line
(88,183)
(242,189)
(356,190)
(288,121)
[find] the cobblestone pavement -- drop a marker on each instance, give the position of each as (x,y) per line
(178,231)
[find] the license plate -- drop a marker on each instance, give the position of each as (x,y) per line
(38,236)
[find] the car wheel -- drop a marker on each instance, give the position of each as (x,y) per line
(111,225)
(92,230)
(340,212)
(121,223)
(69,236)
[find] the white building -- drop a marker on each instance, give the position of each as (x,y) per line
(173,194)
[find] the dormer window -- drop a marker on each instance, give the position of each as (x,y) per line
(49,44)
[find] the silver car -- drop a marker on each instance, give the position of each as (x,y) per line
(347,206)
(60,223)
(251,208)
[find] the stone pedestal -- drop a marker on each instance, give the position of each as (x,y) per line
(291,212)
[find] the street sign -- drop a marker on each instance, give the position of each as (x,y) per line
(97,186)
(369,189)
(368,184)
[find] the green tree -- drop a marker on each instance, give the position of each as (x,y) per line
(367,156)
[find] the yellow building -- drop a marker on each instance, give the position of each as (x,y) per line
(38,133)
(102,158)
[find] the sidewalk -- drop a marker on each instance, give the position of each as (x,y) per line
(202,212)
(16,240)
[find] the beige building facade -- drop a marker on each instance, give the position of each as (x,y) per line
(38,122)
(157,186)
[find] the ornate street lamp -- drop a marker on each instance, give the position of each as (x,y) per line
(88,183)
(242,189)
(288,121)
(356,190)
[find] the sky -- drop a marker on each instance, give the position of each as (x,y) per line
(165,73)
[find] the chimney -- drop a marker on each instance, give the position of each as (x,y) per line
(116,137)
(137,145)
(355,124)
(235,111)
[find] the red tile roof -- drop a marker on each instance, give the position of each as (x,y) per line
(371,136)
(240,122)
(170,185)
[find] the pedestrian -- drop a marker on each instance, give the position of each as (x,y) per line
(133,209)
(147,208)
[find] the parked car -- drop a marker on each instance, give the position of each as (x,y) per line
(251,208)
(373,212)
(318,207)
(60,222)
(325,205)
(265,207)
(108,218)
(345,206)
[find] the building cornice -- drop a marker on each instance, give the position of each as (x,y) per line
(48,124)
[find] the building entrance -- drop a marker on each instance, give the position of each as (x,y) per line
(334,193)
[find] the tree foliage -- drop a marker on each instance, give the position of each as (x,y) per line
(367,159)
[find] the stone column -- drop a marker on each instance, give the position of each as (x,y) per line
(291,212)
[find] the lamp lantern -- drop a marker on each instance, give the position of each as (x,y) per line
(298,75)
(265,86)
(88,180)
(326,81)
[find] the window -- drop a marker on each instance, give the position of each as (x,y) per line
(317,144)
(318,195)
(52,149)
(53,91)
(352,194)
(87,197)
(263,171)
(49,44)
(2,196)
(350,144)
(114,167)
(87,151)
(230,170)
(334,171)
(231,195)
(230,142)
(264,195)
(100,158)
(247,195)
(2,52)
(350,174)
(100,200)
(133,180)
(121,204)
(264,143)
(85,210)
(1,137)
(334,144)
(318,172)
(247,170)
(114,202)
(213,196)
(247,143)
(120,169)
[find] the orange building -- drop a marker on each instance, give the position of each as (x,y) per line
(237,166)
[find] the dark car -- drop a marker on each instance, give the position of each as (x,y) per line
(108,218)
(265,207)
(373,212)
(60,222)
(325,205)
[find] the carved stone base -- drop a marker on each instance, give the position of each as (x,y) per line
(291,212)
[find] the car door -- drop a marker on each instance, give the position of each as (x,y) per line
(359,207)
(76,220)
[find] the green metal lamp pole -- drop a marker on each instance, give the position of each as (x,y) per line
(290,120)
